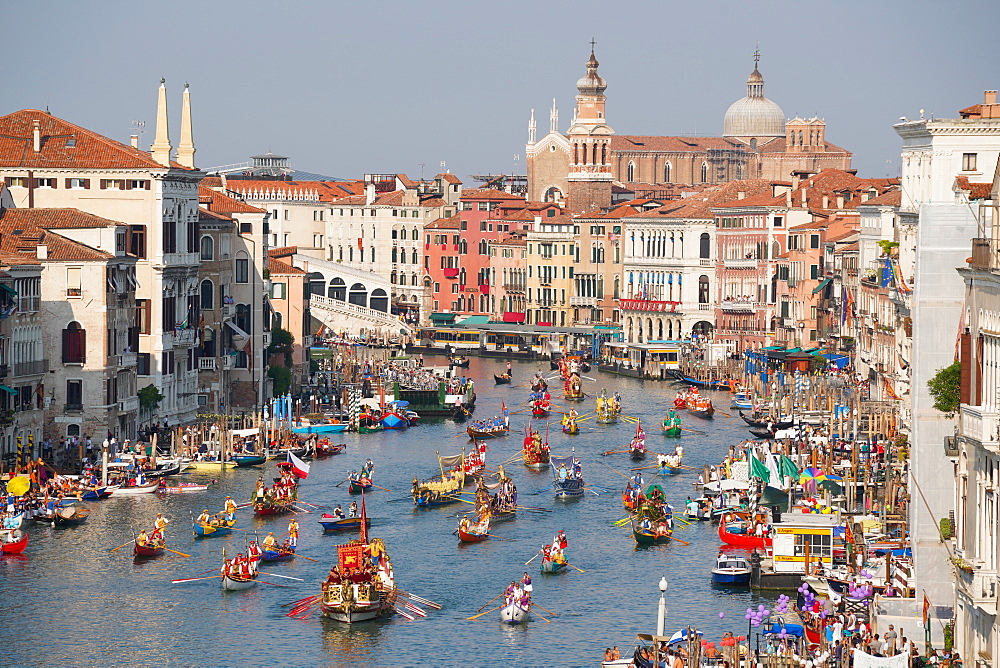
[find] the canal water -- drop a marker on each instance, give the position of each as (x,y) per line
(71,601)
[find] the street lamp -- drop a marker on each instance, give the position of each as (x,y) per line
(662,611)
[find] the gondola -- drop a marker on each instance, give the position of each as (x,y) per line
(703,409)
(763,423)
(209,530)
(328,450)
(331,523)
(742,540)
(163,471)
(762,433)
(19,541)
(501,380)
(65,517)
(461,362)
(249,460)
(644,536)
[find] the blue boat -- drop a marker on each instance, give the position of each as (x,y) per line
(568,478)
(742,401)
(392,420)
(331,523)
(277,555)
(204,531)
(322,428)
(731,571)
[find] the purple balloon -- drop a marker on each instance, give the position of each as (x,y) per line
(722,615)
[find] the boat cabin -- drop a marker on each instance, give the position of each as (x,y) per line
(804,541)
(653,360)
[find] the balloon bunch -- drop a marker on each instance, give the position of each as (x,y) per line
(757,617)
(808,597)
(862,591)
(731,642)
(782,605)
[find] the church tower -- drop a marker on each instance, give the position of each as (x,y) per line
(589,179)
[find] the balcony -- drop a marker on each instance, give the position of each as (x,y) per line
(740,264)
(228,310)
(32,368)
(181,259)
(706,262)
(182,337)
(228,362)
(130,405)
(982,426)
(206,364)
(583,301)
(705,307)
(648,306)
(513,287)
(980,585)
(737,306)
(72,408)
(128,360)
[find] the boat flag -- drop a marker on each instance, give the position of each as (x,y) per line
(299,467)
(364,521)
(758,470)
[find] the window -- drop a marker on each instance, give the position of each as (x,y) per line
(705,246)
(704,172)
(74,344)
(813,241)
(703,290)
(169,313)
(143,364)
(112,184)
(207,248)
(278,290)
(169,236)
(630,172)
(74,395)
(137,184)
(17,181)
(142,317)
(779,221)
(968,162)
(207,295)
(814,271)
(242,269)
(666,173)
(74,281)
(137,240)
(45,183)
(79,184)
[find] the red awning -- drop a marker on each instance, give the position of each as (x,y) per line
(511,316)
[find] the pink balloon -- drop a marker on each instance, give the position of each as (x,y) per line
(722,615)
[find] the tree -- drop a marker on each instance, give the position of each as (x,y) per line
(281,378)
(281,342)
(149,398)
(944,387)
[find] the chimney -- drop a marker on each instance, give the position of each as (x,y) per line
(42,251)
(989,97)
(788,199)
(826,201)
(36,135)
(224,183)
(133,140)
(160,150)
(803,193)
(840,201)
(369,193)
(741,195)
(185,150)
(795,181)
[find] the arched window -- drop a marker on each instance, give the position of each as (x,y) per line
(483,247)
(553,194)
(379,300)
(703,295)
(415,235)
(753,144)
(395,255)
(338,290)
(358,295)
(631,172)
(72,430)
(207,248)
(463,247)
(207,295)
(705,246)
(666,172)
(413,256)
(392,277)
(704,172)
(74,344)
(413,279)
(739,171)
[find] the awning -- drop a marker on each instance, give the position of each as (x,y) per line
(237,329)
(476,320)
(514,317)
(10,390)
(822,284)
(9,290)
(443,317)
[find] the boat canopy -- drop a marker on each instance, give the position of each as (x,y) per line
(562,461)
(450,461)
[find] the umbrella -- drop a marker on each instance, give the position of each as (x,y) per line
(832,485)
(681,636)
(810,473)
(18,485)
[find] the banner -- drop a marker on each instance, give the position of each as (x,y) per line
(349,556)
(864,660)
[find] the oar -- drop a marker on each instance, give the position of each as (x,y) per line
(615,470)
(176,552)
(491,600)
(300,601)
(694,431)
(195,579)
(500,537)
(643,468)
(485,613)
(342,481)
(374,485)
(554,614)
(286,577)
(682,542)
(544,510)
(612,452)
(541,617)
(131,542)
(528,562)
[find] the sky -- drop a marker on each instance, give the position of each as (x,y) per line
(348,88)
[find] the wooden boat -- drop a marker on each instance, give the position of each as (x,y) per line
(516,612)
(359,486)
(147,488)
(277,555)
(534,451)
(395,419)
(331,523)
(540,406)
(461,362)
(325,449)
(209,530)
(741,400)
(551,567)
(764,433)
(731,571)
(742,540)
(471,537)
(637,448)
(539,385)
(645,536)
(786,424)
(238,583)
(320,428)
(173,467)
(680,403)
(672,426)
(14,543)
(495,428)
(69,517)
(702,408)
(567,477)
(182,488)
(573,388)
(503,379)
(98,493)
(249,460)
(442,489)
(150,549)
(269,504)
(571,427)
(208,464)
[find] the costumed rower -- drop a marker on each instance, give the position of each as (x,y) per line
(293,533)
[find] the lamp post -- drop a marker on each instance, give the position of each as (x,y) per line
(662,610)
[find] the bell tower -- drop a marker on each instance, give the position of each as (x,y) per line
(589,178)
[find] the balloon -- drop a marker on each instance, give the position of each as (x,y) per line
(747,617)
(722,615)
(741,638)
(761,608)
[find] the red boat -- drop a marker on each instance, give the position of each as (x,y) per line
(471,537)
(149,549)
(680,403)
(742,540)
(17,546)
(325,449)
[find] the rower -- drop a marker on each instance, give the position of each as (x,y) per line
(161,522)
(293,533)
(230,509)
(352,510)
(203,518)
(338,512)
(142,538)
(269,541)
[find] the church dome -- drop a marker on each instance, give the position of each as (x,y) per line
(754,115)
(591,83)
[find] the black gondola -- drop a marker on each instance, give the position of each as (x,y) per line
(462,362)
(502,380)
(762,424)
(762,432)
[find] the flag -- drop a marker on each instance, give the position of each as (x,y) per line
(299,467)
(848,533)
(926,609)
(349,556)
(364,521)
(889,390)
(788,468)
(758,470)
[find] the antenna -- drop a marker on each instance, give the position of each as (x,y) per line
(422,165)
(137,127)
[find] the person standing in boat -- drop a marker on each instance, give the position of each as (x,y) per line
(293,533)
(352,510)
(526,583)
(230,509)
(161,522)
(338,512)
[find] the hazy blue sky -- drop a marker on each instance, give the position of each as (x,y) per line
(346,88)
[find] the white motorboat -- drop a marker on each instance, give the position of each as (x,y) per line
(147,488)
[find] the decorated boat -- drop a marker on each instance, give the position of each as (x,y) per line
(567,477)
(637,448)
(670,463)
(534,451)
(278,499)
(395,416)
(493,428)
(731,571)
(502,379)
(249,460)
(701,407)
(570,423)
(331,523)
(652,523)
(13,542)
(540,403)
(672,425)
(218,526)
(444,488)
(608,408)
(182,487)
(741,540)
(475,461)
(573,388)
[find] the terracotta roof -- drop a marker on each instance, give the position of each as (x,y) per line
(974,110)
(847,234)
(975,190)
(280,268)
(449,178)
(53,218)
(222,203)
(21,233)
(284,251)
(829,183)
(639,143)
(205,214)
(452,223)
(487,193)
(890,198)
(8,259)
(522,215)
(91,150)
(849,247)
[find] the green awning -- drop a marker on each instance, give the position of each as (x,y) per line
(476,320)
(822,284)
(773,348)
(9,290)
(443,317)
(11,390)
